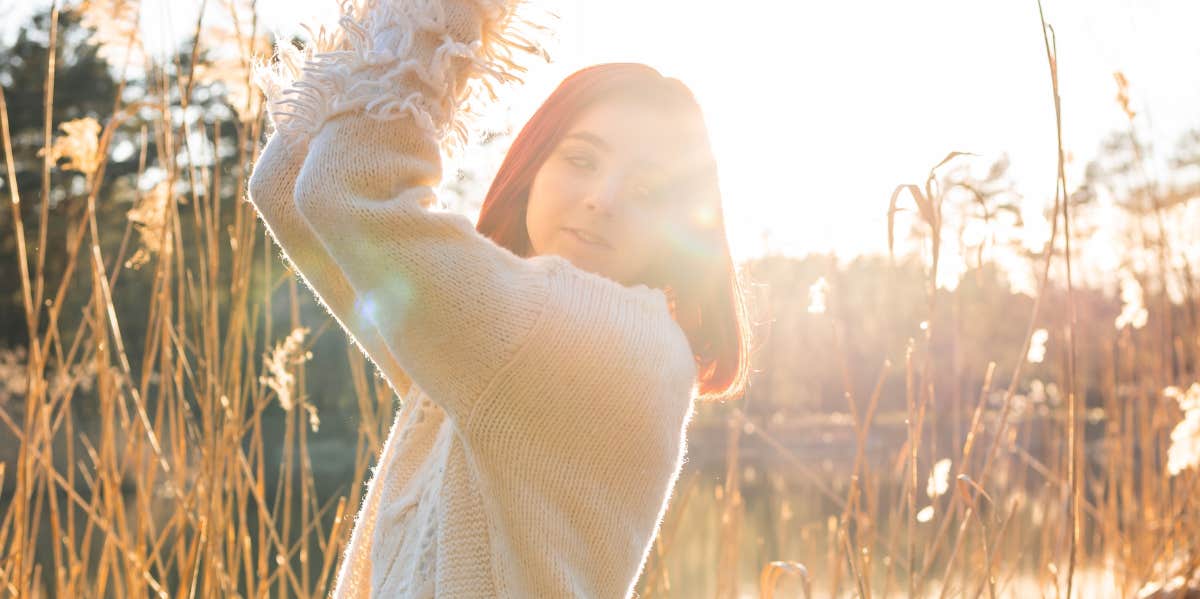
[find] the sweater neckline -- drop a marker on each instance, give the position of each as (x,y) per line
(640,289)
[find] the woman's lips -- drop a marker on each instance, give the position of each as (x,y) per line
(587,238)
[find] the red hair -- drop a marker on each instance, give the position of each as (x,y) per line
(699,278)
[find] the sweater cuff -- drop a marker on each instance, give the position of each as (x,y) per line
(433,61)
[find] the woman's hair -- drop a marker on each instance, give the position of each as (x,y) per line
(698,275)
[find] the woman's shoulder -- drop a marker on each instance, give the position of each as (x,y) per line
(574,279)
(601,352)
(587,294)
(634,320)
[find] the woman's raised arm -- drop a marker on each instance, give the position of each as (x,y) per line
(272,193)
(450,306)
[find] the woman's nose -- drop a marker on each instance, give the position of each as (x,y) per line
(607,196)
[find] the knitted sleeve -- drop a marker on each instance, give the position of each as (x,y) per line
(368,107)
(271,192)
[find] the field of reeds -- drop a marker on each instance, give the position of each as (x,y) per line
(178,418)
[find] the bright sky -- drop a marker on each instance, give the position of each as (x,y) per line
(817,110)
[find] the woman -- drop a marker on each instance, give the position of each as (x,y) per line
(556,351)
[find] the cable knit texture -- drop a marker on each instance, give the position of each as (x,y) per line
(536,452)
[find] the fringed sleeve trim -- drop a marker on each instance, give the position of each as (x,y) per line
(369,61)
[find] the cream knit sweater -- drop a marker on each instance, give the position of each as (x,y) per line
(537,450)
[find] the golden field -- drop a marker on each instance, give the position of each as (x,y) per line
(989,411)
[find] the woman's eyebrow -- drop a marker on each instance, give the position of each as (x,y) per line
(600,143)
(589,137)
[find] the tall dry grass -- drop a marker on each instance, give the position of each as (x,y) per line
(172,494)
(169,497)
(1109,508)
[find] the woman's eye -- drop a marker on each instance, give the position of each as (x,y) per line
(581,161)
(648,192)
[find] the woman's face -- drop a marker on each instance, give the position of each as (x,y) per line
(600,198)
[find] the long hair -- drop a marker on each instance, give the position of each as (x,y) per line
(698,276)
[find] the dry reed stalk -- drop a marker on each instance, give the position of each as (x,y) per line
(793,460)
(1073,452)
(666,535)
(47,161)
(859,470)
(203,322)
(731,516)
(18,223)
(769,578)
(205,574)
(911,477)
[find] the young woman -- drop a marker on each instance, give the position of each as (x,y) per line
(556,349)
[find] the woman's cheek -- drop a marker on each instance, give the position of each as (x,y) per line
(651,237)
(567,192)
(539,218)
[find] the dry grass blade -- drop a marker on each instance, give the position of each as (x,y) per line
(163,395)
(18,222)
(771,573)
